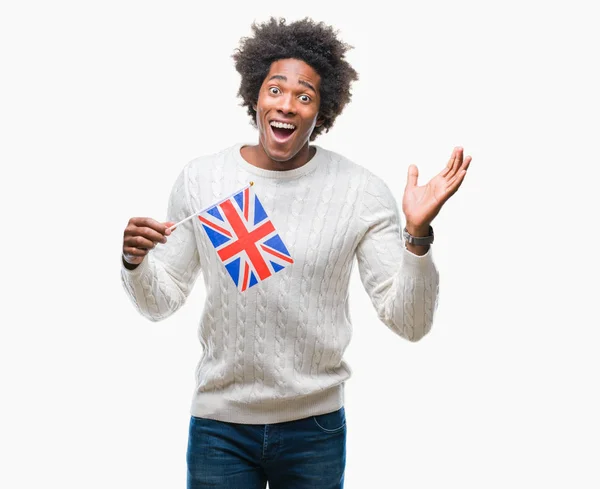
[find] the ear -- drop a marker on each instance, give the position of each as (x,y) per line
(254,107)
(320,121)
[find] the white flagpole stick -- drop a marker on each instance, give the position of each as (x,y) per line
(212,205)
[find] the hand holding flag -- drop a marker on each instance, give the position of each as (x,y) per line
(140,236)
(238,227)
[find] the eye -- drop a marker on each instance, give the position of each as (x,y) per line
(274,91)
(305,98)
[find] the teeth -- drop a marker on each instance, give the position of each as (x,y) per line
(282,125)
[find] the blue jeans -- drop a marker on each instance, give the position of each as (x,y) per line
(308,453)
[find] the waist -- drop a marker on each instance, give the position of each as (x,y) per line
(263,404)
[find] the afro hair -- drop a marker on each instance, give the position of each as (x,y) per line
(314,43)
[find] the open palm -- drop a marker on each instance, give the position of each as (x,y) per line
(421,204)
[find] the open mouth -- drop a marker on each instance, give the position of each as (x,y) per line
(282,130)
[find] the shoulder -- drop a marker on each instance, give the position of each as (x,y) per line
(344,162)
(209,162)
(372,183)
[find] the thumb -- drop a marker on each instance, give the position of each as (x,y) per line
(413,175)
(168,224)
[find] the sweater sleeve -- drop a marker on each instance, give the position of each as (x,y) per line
(160,285)
(402,286)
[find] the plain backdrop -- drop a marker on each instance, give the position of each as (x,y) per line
(103,103)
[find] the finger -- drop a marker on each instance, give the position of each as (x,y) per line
(147,227)
(455,183)
(456,162)
(147,222)
(448,168)
(168,225)
(413,176)
(139,242)
(131,251)
(147,233)
(444,172)
(466,163)
(463,167)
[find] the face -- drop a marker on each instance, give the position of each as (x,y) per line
(287,110)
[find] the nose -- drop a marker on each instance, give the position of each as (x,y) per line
(286,104)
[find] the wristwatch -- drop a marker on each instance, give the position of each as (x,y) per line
(418,240)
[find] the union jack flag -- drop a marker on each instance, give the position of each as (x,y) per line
(245,239)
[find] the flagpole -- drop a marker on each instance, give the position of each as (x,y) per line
(212,205)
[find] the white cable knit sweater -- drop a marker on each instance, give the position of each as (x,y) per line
(274,353)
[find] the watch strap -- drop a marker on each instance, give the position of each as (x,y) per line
(418,240)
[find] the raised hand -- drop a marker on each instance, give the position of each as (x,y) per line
(140,236)
(421,204)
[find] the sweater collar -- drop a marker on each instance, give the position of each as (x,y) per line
(308,167)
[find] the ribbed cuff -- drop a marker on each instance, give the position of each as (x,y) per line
(139,270)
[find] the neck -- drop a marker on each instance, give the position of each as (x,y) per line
(256,155)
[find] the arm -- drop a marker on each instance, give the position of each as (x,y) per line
(403,286)
(161,283)
(403,283)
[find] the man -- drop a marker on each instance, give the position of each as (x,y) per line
(268,403)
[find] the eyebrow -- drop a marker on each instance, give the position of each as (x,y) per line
(301,82)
